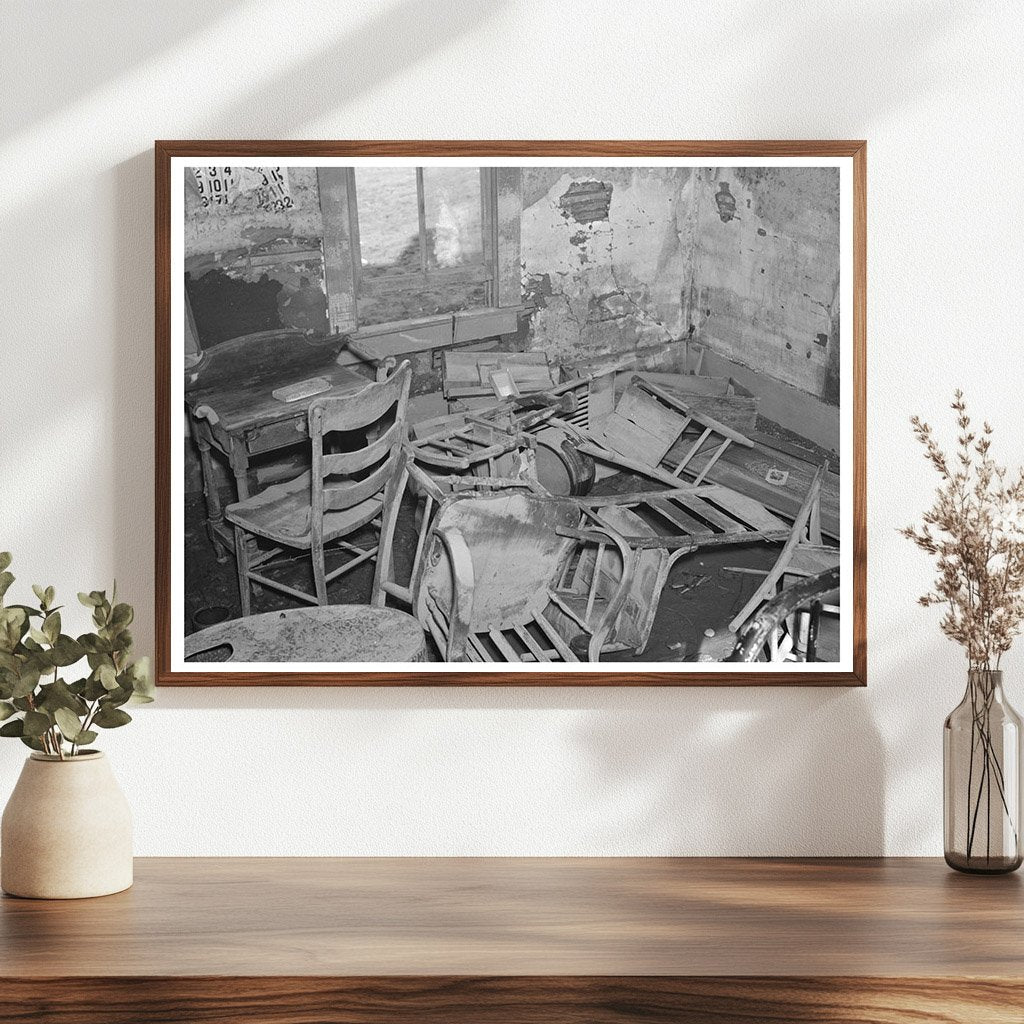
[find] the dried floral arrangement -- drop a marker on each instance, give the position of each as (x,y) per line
(47,713)
(975,530)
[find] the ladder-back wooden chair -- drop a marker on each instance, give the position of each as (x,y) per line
(342,492)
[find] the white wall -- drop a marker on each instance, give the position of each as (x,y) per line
(938,90)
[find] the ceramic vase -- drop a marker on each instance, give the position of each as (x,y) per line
(66,831)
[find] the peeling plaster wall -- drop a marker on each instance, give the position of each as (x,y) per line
(254,267)
(749,257)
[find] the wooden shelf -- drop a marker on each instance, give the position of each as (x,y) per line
(489,940)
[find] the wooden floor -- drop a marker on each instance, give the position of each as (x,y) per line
(566,940)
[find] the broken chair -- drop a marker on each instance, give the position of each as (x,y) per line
(802,556)
(486,584)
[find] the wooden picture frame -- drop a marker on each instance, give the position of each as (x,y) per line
(848,156)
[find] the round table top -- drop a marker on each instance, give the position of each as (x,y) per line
(331,633)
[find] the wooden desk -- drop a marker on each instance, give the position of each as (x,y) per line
(232,409)
(572,941)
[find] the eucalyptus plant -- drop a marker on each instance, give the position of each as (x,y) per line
(37,705)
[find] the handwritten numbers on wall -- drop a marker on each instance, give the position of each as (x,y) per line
(261,188)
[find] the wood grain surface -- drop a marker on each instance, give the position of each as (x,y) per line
(281,150)
(496,939)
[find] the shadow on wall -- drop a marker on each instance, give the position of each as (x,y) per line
(65,32)
(801,68)
(740,771)
(395,38)
(684,772)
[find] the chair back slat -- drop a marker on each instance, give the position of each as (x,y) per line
(351,492)
(347,463)
(364,408)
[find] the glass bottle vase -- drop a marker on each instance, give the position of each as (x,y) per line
(981,770)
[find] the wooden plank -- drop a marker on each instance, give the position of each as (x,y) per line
(652,417)
(391,917)
(601,398)
(744,470)
(677,516)
(748,509)
(708,512)
(708,396)
(509,183)
(340,268)
(627,439)
(677,403)
(450,999)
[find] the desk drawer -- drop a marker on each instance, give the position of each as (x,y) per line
(275,435)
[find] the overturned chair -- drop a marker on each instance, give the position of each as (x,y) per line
(342,492)
(488,571)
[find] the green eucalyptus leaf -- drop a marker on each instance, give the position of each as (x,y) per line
(6,579)
(13,625)
(98,647)
(107,676)
(86,736)
(36,723)
(66,650)
(27,681)
(51,626)
(69,724)
(89,600)
(40,593)
(6,710)
(50,594)
(115,698)
(59,695)
(94,689)
(5,559)
(38,636)
(22,703)
(122,616)
(29,610)
(110,717)
(31,741)
(16,727)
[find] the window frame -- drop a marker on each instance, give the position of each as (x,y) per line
(483,270)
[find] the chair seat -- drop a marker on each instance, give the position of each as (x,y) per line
(282,514)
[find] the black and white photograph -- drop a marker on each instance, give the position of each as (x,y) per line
(538,414)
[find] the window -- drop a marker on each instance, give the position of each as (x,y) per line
(421,241)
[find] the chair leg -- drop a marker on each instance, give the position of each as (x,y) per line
(242,561)
(316,553)
(392,502)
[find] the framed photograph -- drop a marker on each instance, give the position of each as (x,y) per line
(492,413)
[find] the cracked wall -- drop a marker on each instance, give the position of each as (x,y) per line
(254,260)
(619,260)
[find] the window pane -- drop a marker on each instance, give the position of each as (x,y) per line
(454,223)
(389,226)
